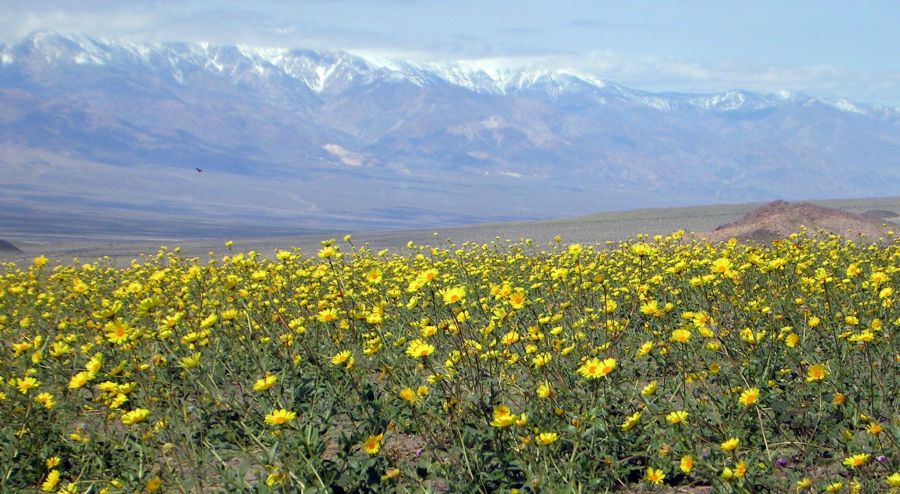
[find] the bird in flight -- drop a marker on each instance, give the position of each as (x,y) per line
(198,170)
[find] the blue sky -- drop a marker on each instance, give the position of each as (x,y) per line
(824,48)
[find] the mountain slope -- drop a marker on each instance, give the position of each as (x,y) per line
(298,139)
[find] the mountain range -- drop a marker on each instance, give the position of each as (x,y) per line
(107,137)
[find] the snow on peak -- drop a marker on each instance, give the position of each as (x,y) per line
(6,57)
(784,94)
(329,72)
(741,100)
(845,106)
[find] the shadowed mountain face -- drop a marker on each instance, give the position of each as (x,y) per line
(107,136)
(8,247)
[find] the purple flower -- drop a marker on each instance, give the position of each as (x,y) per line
(419,452)
(781,462)
(881,458)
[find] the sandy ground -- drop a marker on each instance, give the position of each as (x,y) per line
(595,228)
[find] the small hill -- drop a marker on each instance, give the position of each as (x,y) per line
(779,219)
(882,214)
(8,247)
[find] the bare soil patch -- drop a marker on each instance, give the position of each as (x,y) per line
(779,219)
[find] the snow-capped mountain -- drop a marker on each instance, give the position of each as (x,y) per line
(299,131)
(336,71)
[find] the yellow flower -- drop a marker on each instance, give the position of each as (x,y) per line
(154,484)
(374,276)
(517,300)
(893,480)
(51,481)
(94,364)
(804,484)
(327,315)
(595,368)
(522,420)
(280,417)
(791,340)
(390,473)
(503,417)
(749,397)
(427,276)
(816,372)
(53,462)
(677,417)
(541,359)
(642,250)
(510,338)
(879,277)
(649,389)
(546,438)
(26,384)
(544,391)
(276,477)
(341,357)
(630,422)
(209,321)
(117,332)
(419,349)
(40,261)
(135,416)
(721,266)
(453,295)
(750,337)
(856,461)
(45,399)
(646,348)
(652,308)
(20,348)
(686,464)
(680,336)
(834,487)
(117,401)
(372,445)
(730,445)
(190,361)
(407,394)
(654,475)
(265,383)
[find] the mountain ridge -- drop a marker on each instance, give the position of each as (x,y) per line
(474,74)
(327,138)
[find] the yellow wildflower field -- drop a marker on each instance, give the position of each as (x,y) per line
(498,367)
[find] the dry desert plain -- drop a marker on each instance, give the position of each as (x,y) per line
(595,228)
